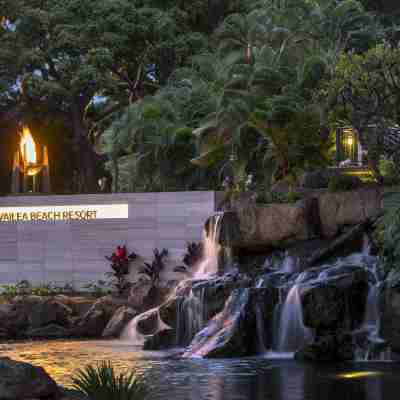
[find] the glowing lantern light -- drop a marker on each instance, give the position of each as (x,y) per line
(350,140)
(28,147)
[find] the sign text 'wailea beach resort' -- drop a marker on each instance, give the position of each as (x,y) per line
(64,213)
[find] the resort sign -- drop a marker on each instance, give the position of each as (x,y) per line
(64,213)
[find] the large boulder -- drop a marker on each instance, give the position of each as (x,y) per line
(118,322)
(272,225)
(93,323)
(78,304)
(335,348)
(48,312)
(13,321)
(19,381)
(348,208)
(337,302)
(229,333)
(233,332)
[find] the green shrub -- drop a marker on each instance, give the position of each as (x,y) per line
(278,197)
(338,183)
(25,288)
(102,383)
(387,169)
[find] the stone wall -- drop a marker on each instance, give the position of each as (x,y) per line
(74,251)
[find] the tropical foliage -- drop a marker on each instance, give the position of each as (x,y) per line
(176,95)
(101,382)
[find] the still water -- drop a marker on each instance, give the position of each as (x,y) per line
(196,379)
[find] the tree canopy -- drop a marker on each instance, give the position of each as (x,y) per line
(171,95)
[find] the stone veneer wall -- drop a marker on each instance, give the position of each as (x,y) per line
(73,252)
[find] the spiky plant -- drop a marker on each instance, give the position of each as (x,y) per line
(101,382)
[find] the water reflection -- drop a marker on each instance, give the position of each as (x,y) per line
(237,379)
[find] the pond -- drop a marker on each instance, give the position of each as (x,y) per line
(254,378)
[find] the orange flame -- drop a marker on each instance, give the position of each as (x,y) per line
(28,147)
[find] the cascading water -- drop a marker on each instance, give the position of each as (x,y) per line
(293,334)
(191,316)
(208,266)
(191,310)
(137,336)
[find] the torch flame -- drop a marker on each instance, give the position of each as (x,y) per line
(28,147)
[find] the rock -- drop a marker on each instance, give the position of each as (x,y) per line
(336,303)
(333,348)
(139,295)
(93,323)
(228,334)
(48,312)
(20,380)
(232,332)
(13,321)
(348,208)
(51,331)
(212,294)
(118,321)
(345,241)
(263,227)
(148,322)
(316,179)
(78,304)
(390,317)
(169,310)
(163,339)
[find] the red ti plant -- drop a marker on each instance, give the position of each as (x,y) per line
(120,260)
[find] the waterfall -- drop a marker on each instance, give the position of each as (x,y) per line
(292,332)
(366,247)
(208,266)
(191,310)
(191,317)
(290,264)
(137,335)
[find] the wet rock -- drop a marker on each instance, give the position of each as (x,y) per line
(336,303)
(335,347)
(148,324)
(118,322)
(169,310)
(93,323)
(163,339)
(345,241)
(51,331)
(229,334)
(212,294)
(20,380)
(233,332)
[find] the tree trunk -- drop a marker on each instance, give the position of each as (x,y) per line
(86,158)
